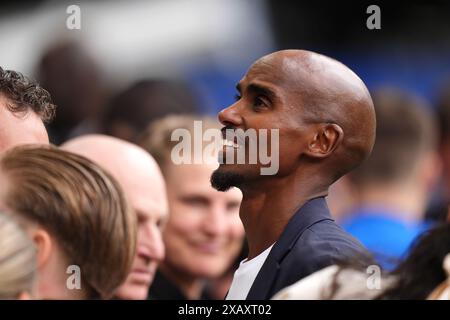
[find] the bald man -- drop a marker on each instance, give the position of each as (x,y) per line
(326,124)
(144,187)
(24,107)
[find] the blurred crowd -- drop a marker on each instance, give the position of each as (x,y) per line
(93,207)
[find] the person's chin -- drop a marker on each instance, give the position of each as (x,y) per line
(209,271)
(227,176)
(207,264)
(133,291)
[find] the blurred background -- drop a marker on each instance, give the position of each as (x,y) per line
(209,44)
(135,61)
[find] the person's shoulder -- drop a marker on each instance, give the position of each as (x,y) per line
(325,243)
(309,288)
(329,232)
(318,246)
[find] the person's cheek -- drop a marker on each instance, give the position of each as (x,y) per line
(237,229)
(184,221)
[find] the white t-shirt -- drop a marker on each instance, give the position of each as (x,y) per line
(245,275)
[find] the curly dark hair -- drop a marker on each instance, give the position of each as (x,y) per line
(24,93)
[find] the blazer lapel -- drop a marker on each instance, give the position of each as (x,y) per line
(311,212)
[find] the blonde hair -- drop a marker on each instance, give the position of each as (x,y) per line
(156,138)
(79,204)
(17,260)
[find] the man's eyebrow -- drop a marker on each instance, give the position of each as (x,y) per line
(140,213)
(257,89)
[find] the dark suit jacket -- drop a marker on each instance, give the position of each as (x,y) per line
(310,242)
(164,289)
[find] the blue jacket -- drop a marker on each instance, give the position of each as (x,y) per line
(311,241)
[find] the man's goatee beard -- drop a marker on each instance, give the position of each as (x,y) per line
(223,181)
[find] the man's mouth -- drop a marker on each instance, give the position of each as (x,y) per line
(229,143)
(231,139)
(143,275)
(209,248)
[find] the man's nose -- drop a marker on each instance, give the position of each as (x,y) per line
(231,116)
(215,223)
(152,237)
(157,248)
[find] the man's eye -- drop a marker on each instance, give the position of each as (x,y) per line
(196,202)
(160,223)
(140,219)
(259,102)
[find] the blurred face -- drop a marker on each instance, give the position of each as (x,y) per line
(445,154)
(147,196)
(18,129)
(204,233)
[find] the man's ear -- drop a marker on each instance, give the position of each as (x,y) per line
(325,139)
(44,245)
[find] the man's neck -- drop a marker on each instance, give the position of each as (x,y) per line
(267,206)
(191,287)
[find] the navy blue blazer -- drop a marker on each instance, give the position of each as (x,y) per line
(311,241)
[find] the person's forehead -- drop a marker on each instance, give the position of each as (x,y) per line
(142,183)
(274,73)
(150,209)
(190,174)
(266,69)
(16,129)
(150,202)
